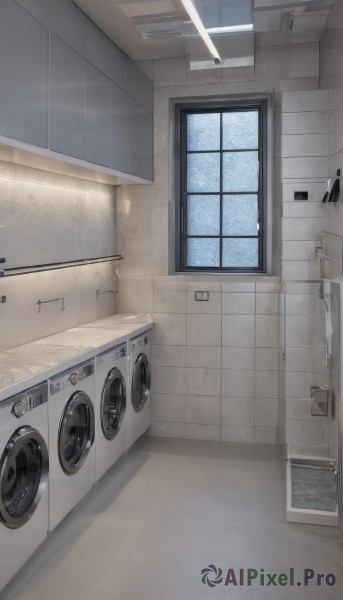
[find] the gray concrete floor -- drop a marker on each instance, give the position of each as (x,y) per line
(167,510)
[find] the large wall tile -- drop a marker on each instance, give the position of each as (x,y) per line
(305,145)
(307,432)
(136,294)
(198,357)
(305,332)
(169,329)
(203,432)
(285,62)
(266,412)
(267,435)
(238,330)
(203,410)
(203,330)
(168,407)
(307,101)
(266,384)
(238,358)
(203,382)
(238,383)
(305,167)
(237,433)
(170,302)
(238,304)
(168,380)
(168,356)
(306,359)
(238,411)
(166,429)
(267,331)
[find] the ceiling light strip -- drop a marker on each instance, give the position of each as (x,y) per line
(231,29)
(194,16)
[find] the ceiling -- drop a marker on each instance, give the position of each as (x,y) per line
(152,29)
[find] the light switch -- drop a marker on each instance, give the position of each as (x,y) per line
(202,296)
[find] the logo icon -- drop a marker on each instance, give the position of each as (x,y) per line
(212,576)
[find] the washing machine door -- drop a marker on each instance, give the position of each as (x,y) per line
(113,404)
(24,468)
(140,382)
(76,432)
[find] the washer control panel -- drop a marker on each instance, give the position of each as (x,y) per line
(111,356)
(29,400)
(71,377)
(140,342)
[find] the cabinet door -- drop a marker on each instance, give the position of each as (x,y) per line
(37,8)
(66,99)
(142,151)
(68,22)
(97,117)
(120,68)
(24,75)
(98,48)
(121,130)
(141,87)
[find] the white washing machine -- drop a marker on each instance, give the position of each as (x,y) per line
(24,470)
(71,438)
(111,385)
(138,419)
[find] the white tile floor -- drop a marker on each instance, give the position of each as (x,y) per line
(170,508)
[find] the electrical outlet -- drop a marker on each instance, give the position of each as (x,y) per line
(202,296)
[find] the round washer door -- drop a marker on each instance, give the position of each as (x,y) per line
(76,432)
(113,404)
(140,382)
(24,468)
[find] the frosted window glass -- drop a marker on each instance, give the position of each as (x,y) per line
(240,130)
(203,215)
(240,172)
(203,252)
(240,215)
(203,172)
(203,131)
(240,253)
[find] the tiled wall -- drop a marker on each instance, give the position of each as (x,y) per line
(216,365)
(46,218)
(305,148)
(304,168)
(331,78)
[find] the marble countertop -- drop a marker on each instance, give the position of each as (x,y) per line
(25,366)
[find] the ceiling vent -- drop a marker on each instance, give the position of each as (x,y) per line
(158,19)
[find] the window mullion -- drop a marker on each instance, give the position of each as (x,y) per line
(221,194)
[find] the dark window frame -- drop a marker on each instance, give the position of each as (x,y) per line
(181,112)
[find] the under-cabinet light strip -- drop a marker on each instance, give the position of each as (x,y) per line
(194,16)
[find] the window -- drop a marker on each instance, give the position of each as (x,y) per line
(222,181)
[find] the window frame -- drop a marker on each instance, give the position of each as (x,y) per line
(190,106)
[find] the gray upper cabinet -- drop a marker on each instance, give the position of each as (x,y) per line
(24,76)
(97,117)
(68,22)
(141,87)
(142,150)
(120,68)
(66,99)
(121,130)
(37,8)
(97,48)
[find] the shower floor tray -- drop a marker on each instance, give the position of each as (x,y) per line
(312,491)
